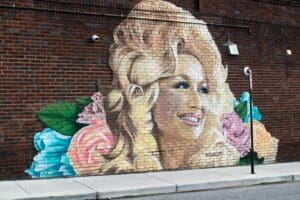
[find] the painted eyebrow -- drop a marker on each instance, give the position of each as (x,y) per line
(179,77)
(185,77)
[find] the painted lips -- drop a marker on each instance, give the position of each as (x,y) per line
(191,119)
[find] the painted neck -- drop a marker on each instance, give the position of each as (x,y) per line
(175,151)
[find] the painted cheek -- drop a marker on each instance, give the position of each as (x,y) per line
(162,108)
(183,100)
(177,101)
(172,104)
(166,108)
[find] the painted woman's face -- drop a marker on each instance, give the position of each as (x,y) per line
(179,110)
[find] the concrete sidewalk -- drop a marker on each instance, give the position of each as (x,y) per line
(129,185)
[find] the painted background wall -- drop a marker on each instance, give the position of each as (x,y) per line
(47,56)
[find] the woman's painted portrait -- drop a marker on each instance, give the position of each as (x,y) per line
(169,106)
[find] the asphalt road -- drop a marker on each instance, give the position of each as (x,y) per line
(282,191)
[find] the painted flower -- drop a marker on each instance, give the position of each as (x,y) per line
(263,141)
(51,160)
(94,110)
(236,133)
(88,147)
(255,112)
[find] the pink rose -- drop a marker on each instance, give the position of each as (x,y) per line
(236,133)
(89,145)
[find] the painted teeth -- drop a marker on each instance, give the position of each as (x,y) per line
(192,119)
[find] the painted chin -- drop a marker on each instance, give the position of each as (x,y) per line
(191,119)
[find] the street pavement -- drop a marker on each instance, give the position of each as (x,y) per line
(278,191)
(153,184)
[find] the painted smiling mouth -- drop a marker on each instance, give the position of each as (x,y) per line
(191,119)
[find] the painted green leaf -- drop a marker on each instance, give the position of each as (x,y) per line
(241,110)
(84,101)
(247,159)
(60,116)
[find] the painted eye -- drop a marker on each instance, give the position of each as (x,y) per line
(182,85)
(203,90)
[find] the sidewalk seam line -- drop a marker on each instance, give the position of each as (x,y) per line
(91,188)
(23,188)
(176,186)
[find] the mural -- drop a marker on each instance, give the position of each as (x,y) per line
(170,106)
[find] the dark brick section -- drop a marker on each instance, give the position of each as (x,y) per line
(47,56)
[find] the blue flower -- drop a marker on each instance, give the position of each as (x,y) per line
(52,159)
(255,112)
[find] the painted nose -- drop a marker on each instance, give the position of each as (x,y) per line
(195,100)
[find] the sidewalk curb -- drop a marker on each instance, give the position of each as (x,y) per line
(76,197)
(116,186)
(268,180)
(202,187)
(297,177)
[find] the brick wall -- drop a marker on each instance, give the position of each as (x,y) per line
(47,55)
